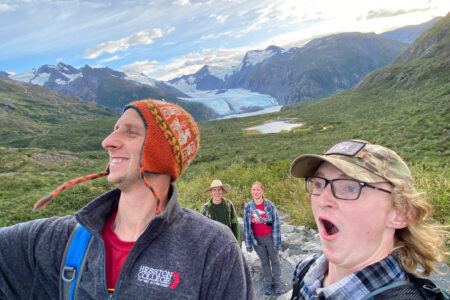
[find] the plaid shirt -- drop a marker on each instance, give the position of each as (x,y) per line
(271,215)
(354,286)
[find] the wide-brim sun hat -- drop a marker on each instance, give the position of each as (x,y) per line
(217,183)
(360,160)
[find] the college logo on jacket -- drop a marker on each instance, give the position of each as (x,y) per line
(158,277)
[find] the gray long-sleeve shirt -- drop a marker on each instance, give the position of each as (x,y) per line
(181,255)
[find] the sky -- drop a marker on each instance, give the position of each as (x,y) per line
(164,39)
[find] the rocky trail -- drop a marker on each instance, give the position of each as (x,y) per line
(297,243)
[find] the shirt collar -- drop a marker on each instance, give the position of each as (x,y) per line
(355,285)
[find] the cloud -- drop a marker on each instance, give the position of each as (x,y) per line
(113,58)
(383,13)
(187,64)
(6,7)
(144,66)
(182,2)
(217,35)
(220,18)
(140,38)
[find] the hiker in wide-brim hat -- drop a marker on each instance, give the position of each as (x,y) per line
(218,184)
(221,209)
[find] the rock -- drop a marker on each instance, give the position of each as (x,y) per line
(297,243)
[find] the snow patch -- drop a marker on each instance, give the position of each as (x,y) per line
(41,79)
(255,57)
(25,76)
(184,86)
(72,77)
(60,82)
(141,78)
(226,102)
(221,72)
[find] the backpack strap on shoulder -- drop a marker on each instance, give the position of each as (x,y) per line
(428,288)
(298,278)
(387,287)
(206,209)
(228,204)
(73,261)
(416,286)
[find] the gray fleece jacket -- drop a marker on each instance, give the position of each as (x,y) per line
(181,255)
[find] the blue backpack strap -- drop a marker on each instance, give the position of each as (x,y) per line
(73,261)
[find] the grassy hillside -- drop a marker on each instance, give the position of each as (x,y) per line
(30,110)
(405,106)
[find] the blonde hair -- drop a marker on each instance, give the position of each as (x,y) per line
(258,183)
(421,242)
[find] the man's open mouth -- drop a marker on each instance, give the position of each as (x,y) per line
(329,227)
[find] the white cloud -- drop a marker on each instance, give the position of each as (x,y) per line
(6,7)
(140,38)
(217,35)
(140,67)
(182,2)
(112,58)
(187,64)
(220,18)
(383,13)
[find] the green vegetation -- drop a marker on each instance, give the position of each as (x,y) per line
(28,110)
(405,106)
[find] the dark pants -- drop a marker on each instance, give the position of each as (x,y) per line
(269,259)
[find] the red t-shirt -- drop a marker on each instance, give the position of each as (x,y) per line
(116,252)
(259,228)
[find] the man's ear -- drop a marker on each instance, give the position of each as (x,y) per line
(398,219)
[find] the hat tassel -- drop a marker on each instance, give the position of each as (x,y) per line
(41,203)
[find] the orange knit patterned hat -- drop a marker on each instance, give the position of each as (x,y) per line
(171,143)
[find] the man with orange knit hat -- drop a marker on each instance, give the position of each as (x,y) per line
(144,244)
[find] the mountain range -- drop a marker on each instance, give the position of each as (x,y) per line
(264,78)
(321,68)
(404,106)
(408,34)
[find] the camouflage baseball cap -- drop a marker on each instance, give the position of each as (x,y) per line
(360,160)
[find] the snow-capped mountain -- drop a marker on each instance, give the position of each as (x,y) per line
(206,88)
(215,77)
(264,78)
(254,57)
(319,69)
(60,74)
(108,87)
(6,74)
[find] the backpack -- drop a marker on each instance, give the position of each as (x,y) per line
(416,288)
(73,262)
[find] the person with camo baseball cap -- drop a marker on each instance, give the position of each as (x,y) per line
(372,225)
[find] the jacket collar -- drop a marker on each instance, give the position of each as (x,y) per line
(95,214)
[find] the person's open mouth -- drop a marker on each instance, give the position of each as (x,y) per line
(330,230)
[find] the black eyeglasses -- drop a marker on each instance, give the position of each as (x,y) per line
(344,189)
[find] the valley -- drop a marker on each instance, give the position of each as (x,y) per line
(404,106)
